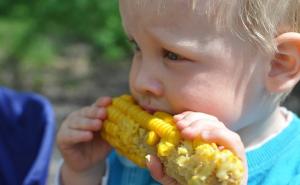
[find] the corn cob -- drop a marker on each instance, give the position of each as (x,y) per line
(134,133)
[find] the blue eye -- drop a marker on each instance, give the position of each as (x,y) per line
(172,56)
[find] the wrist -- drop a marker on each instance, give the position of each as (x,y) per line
(91,176)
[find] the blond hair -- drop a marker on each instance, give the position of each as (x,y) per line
(255,21)
(258,21)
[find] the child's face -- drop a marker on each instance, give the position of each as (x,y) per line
(183,63)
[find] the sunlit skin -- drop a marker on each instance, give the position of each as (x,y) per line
(182,63)
(219,87)
(190,66)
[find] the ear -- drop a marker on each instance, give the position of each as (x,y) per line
(284,71)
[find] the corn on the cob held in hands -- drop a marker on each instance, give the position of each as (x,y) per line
(135,133)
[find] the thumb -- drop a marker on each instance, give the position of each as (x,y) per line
(156,170)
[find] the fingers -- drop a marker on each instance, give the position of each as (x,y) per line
(71,137)
(156,170)
(103,101)
(92,112)
(184,119)
(208,128)
(187,114)
(88,118)
(81,123)
(229,140)
(154,166)
(201,127)
(97,110)
(223,137)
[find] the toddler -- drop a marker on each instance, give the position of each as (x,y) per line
(222,68)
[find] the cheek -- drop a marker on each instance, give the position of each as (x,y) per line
(212,101)
(133,74)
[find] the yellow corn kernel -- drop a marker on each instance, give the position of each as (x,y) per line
(164,116)
(164,148)
(182,151)
(181,160)
(135,133)
(197,142)
(152,138)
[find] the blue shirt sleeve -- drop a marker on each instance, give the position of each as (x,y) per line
(122,173)
(277,162)
(26,137)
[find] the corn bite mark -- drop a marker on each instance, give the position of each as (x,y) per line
(135,133)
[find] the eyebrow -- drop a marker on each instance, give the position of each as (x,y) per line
(170,42)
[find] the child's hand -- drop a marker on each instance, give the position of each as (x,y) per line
(156,169)
(194,125)
(79,138)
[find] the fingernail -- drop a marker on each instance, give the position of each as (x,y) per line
(182,124)
(98,124)
(178,117)
(205,134)
(147,157)
(100,111)
(221,147)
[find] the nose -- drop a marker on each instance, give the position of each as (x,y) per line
(147,80)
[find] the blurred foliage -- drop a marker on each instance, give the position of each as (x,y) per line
(33,32)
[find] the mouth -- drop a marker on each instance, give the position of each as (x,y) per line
(148,109)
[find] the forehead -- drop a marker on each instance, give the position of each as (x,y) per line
(183,5)
(175,14)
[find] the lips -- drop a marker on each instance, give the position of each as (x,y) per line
(148,108)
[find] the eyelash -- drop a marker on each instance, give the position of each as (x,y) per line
(172,56)
(167,54)
(134,46)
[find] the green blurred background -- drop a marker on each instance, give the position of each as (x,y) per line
(36,35)
(70,51)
